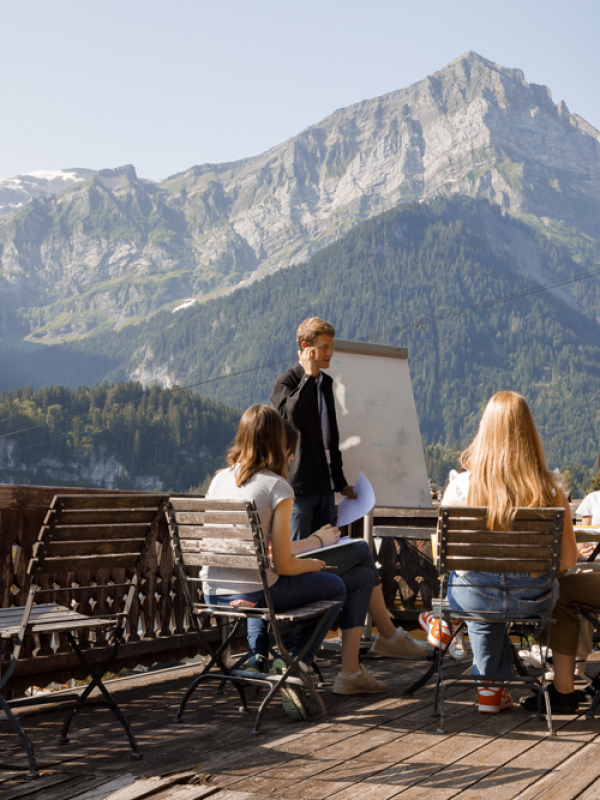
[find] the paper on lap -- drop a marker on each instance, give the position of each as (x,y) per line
(345,540)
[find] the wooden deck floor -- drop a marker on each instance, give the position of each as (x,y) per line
(374,747)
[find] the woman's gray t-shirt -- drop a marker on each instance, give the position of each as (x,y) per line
(267,489)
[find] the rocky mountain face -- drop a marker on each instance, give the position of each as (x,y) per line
(114,249)
(15,192)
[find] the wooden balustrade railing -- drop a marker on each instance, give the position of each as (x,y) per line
(160,629)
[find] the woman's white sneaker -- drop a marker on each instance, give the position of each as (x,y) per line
(402,646)
(364,682)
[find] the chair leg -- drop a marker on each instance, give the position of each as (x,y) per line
(215,657)
(25,741)
(426,677)
(96,683)
(595,700)
(440,692)
(293,664)
(262,708)
(548,706)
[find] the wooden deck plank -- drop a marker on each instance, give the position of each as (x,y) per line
(374,748)
(568,769)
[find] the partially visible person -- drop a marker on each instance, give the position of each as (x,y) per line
(304,396)
(589,509)
(506,469)
(390,642)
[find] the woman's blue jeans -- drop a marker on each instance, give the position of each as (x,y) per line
(496,591)
(291,591)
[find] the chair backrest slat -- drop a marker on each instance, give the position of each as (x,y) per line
(108,516)
(220,546)
(487,550)
(500,537)
(524,526)
(53,566)
(480,512)
(70,533)
(211,518)
(190,503)
(240,532)
(91,547)
(220,560)
(489,565)
(99,501)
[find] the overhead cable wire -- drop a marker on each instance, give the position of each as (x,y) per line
(486,304)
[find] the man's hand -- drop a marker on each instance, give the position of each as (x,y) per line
(308,358)
(348,491)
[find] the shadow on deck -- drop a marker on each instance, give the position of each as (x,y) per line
(381,747)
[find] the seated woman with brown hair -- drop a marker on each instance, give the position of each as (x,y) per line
(258,467)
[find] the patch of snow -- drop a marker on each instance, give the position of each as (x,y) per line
(186,304)
(50,175)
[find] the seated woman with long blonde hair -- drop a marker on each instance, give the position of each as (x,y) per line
(506,469)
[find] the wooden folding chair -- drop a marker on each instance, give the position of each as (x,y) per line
(228,534)
(532,545)
(103,538)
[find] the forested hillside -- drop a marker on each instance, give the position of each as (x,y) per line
(401,278)
(112,436)
(403,270)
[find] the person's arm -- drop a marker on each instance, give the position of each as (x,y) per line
(586,521)
(568,551)
(324,537)
(293,401)
(283,560)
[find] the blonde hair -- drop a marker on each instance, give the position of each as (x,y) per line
(260,443)
(507,462)
(310,329)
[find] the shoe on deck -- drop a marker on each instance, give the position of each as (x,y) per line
(493,699)
(429,623)
(402,647)
(292,701)
(255,664)
(362,683)
(559,703)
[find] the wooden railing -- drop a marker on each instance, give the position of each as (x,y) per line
(160,629)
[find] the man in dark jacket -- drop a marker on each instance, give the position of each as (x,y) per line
(304,396)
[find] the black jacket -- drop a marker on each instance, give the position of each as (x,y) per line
(295,398)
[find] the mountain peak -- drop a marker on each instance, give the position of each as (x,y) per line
(474,128)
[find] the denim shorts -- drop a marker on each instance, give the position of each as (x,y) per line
(509,592)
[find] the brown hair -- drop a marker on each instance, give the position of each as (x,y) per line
(260,443)
(310,329)
(507,462)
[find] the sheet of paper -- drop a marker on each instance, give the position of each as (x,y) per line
(340,543)
(349,510)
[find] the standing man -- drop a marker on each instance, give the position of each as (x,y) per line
(304,396)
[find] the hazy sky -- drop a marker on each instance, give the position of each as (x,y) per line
(166,84)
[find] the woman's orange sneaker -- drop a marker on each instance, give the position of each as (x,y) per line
(429,623)
(492,699)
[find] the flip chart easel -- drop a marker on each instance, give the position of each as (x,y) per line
(379,427)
